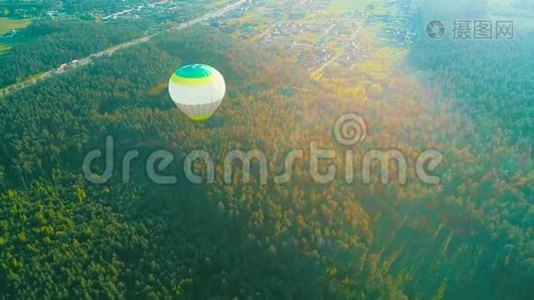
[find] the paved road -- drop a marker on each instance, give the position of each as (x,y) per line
(108,52)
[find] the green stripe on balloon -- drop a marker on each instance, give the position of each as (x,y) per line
(200,118)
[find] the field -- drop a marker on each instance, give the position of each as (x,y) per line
(8,24)
(340,6)
(4,48)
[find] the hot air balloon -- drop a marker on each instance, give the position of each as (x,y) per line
(197,90)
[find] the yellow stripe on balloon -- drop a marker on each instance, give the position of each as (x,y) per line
(192,81)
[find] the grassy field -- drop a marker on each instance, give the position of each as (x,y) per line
(8,24)
(4,48)
(341,6)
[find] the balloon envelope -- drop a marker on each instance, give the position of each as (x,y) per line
(197,90)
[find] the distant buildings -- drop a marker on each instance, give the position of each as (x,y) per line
(62,68)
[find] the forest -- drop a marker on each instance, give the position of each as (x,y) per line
(63,237)
(37,8)
(48,44)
